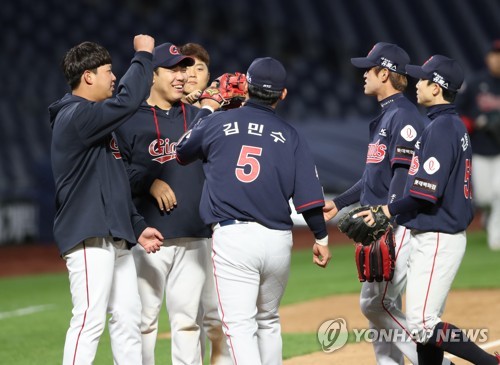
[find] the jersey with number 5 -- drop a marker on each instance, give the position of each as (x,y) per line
(440,172)
(254,162)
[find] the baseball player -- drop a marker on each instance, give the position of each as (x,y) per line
(198,74)
(168,195)
(392,138)
(208,315)
(437,208)
(96,222)
(254,162)
(479,105)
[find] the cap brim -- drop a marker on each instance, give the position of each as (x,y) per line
(185,60)
(363,62)
(174,61)
(416,72)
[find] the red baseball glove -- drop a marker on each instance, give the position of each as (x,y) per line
(375,262)
(229,90)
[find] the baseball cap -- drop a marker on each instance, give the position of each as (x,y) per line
(167,55)
(386,55)
(267,73)
(442,70)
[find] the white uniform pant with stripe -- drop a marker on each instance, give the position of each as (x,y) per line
(434,261)
(103,281)
(175,272)
(251,267)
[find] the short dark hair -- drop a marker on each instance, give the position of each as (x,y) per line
(85,56)
(448,95)
(398,81)
(195,50)
(264,96)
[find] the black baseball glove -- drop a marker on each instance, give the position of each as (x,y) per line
(356,228)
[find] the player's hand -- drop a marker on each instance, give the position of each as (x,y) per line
(369,218)
(144,42)
(164,195)
(193,97)
(151,239)
(329,210)
(321,255)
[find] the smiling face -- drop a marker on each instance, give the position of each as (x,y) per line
(198,76)
(168,86)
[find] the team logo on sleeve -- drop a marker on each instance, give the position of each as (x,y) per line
(376,152)
(432,165)
(414,166)
(114,149)
(408,133)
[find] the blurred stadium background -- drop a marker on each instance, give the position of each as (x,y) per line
(314,39)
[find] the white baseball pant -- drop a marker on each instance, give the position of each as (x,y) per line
(381,303)
(103,280)
(208,314)
(251,266)
(434,261)
(176,273)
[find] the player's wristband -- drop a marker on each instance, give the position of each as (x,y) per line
(208,107)
(323,241)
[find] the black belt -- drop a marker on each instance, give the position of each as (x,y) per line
(232,221)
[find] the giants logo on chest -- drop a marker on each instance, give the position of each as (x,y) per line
(163,152)
(376,152)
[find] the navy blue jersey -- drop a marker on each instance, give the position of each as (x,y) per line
(441,174)
(254,162)
(392,138)
(92,192)
(147,143)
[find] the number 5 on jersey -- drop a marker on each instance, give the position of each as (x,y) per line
(247,158)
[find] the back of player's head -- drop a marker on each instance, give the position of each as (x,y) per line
(82,57)
(195,50)
(266,79)
(387,55)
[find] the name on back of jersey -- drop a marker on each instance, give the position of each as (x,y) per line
(255,129)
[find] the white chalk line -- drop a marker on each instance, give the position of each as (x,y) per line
(25,311)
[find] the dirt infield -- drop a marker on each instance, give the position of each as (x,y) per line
(471,309)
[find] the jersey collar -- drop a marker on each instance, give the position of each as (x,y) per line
(389,101)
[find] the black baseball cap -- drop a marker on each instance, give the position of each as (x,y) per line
(267,73)
(167,55)
(386,55)
(442,70)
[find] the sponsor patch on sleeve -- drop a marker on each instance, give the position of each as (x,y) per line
(425,184)
(405,151)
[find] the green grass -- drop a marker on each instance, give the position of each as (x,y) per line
(38,338)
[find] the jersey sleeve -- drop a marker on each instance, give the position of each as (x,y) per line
(308,192)
(434,164)
(404,134)
(190,145)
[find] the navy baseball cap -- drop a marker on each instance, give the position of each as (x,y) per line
(167,55)
(442,70)
(386,55)
(267,73)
